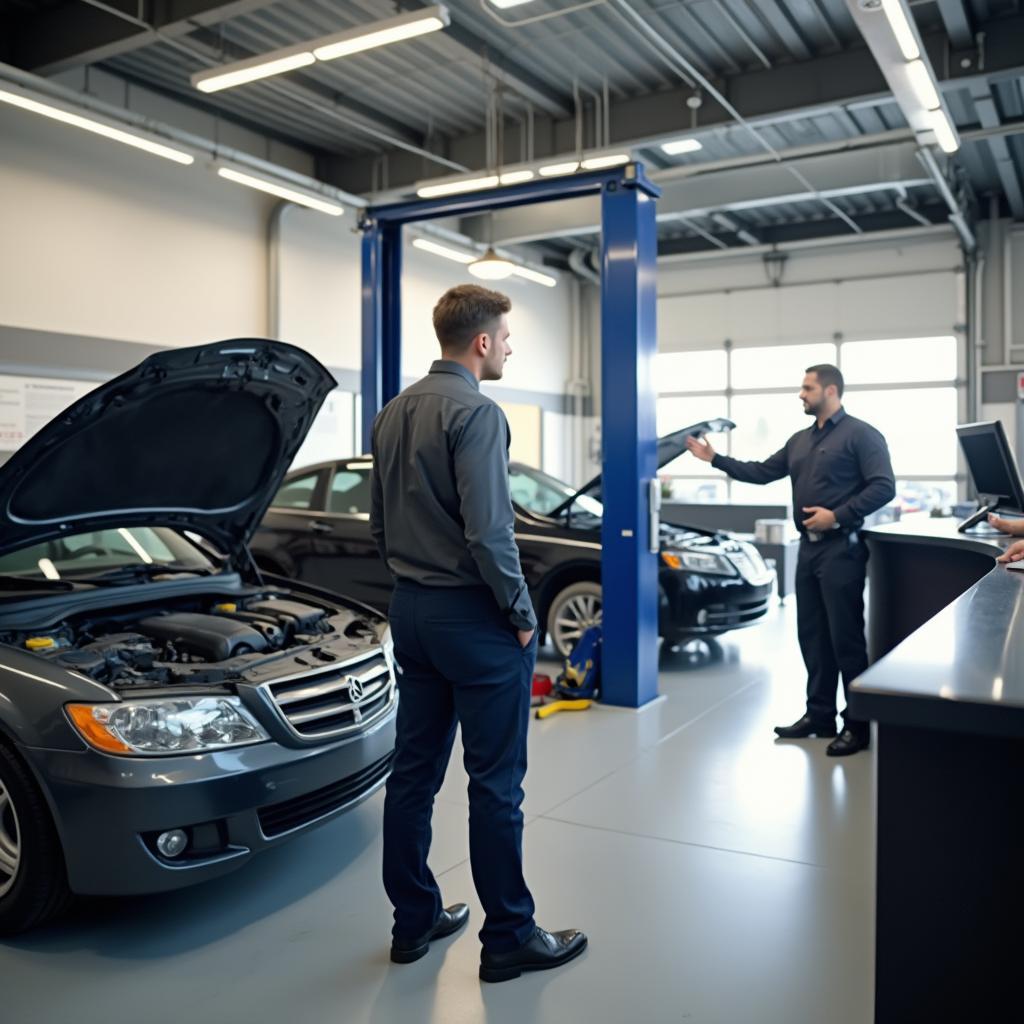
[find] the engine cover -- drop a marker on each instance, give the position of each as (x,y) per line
(210,637)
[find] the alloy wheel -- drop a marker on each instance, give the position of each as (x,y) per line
(10,841)
(578,613)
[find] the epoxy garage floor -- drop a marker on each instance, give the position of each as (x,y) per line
(722,876)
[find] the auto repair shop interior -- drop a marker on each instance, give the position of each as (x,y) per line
(225,225)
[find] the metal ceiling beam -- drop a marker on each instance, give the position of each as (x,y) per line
(957,22)
(85,33)
(1006,167)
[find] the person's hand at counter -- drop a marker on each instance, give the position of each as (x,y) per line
(1014,527)
(1014,553)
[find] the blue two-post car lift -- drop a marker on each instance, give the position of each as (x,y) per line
(629,539)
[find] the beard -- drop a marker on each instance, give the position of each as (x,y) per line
(811,409)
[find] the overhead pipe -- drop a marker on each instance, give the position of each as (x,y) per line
(956,213)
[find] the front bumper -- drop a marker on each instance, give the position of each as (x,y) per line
(695,605)
(108,809)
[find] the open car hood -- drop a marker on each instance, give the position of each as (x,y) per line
(670,447)
(195,438)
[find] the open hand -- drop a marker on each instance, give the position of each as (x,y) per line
(820,519)
(1014,527)
(701,449)
(1014,553)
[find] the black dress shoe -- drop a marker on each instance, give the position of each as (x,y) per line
(807,726)
(542,951)
(407,951)
(849,742)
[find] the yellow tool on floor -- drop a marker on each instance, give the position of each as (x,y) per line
(577,685)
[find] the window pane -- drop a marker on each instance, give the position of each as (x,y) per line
(297,493)
(690,371)
(925,495)
(777,366)
(676,413)
(764,423)
(350,492)
(899,360)
(919,426)
(697,492)
(779,492)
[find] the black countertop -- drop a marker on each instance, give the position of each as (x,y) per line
(963,670)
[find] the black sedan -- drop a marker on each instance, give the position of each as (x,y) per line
(317,530)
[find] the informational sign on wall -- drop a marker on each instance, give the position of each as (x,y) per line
(29,403)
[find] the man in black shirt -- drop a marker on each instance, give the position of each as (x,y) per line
(465,638)
(841,473)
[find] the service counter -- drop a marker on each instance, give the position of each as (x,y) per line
(948,700)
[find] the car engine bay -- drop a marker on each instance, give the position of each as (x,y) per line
(210,638)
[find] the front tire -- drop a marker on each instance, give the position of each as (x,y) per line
(33,878)
(573,609)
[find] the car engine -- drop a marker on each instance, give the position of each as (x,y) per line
(200,640)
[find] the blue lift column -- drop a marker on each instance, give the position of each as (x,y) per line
(381,319)
(629,540)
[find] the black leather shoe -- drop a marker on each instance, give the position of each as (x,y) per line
(407,951)
(542,951)
(849,742)
(807,726)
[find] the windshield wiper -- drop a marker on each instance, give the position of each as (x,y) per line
(138,573)
(9,583)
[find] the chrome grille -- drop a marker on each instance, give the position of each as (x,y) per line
(335,701)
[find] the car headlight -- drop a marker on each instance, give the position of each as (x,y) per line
(698,561)
(186,725)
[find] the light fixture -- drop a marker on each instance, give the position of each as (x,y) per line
(509,3)
(552,170)
(597,163)
(535,276)
(516,177)
(902,29)
(679,146)
(108,131)
(923,84)
(491,266)
(451,188)
(293,195)
(442,250)
(945,135)
(252,70)
(329,47)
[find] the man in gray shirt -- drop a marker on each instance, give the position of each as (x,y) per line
(465,640)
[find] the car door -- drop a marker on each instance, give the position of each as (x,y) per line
(351,562)
(284,542)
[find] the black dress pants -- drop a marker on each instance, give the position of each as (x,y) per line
(459,661)
(830,577)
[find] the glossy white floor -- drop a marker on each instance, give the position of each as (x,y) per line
(722,877)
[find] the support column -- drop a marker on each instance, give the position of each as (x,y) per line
(629,570)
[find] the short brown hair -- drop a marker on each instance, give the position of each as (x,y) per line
(828,374)
(465,311)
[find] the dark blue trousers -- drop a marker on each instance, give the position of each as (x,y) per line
(459,661)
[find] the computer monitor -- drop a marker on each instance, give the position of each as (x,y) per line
(993,468)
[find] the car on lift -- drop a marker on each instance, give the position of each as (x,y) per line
(167,712)
(317,529)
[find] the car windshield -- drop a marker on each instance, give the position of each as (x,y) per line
(542,494)
(82,555)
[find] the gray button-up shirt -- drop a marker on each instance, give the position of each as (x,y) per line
(441,511)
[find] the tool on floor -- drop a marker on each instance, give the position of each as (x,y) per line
(578,683)
(542,687)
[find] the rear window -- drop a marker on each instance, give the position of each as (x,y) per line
(350,492)
(297,492)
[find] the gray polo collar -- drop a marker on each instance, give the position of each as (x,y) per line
(450,366)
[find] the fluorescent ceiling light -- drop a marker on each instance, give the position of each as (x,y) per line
(569,167)
(442,250)
(944,133)
(923,84)
(902,29)
(536,276)
(252,70)
(509,3)
(17,99)
(382,33)
(491,267)
(596,163)
(679,146)
(451,188)
(516,177)
(329,47)
(282,191)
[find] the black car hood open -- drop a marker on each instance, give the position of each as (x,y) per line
(670,447)
(195,438)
